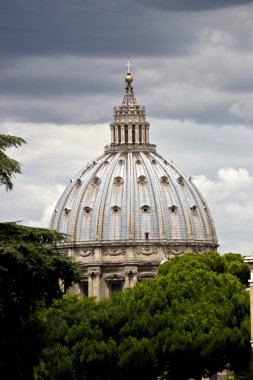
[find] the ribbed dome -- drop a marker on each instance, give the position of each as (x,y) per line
(133,196)
(129,209)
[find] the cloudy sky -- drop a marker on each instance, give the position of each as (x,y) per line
(62,64)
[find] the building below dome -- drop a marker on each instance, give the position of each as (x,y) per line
(130,209)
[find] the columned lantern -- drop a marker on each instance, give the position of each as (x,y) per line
(130,208)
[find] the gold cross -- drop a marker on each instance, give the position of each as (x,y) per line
(128,65)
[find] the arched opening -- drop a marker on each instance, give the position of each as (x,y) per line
(133,134)
(126,134)
(119,134)
(140,134)
(113,134)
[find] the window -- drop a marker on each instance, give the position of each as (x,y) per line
(145,208)
(84,288)
(116,287)
(115,209)
(164,180)
(78,182)
(95,181)
(126,134)
(180,180)
(133,134)
(87,210)
(194,209)
(173,208)
(67,210)
(118,181)
(142,180)
(146,235)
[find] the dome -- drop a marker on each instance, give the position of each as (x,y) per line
(130,207)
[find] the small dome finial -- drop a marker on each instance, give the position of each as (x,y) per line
(128,77)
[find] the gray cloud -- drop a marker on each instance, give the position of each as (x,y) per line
(193,5)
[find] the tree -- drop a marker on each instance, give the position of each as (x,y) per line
(29,281)
(191,320)
(8,166)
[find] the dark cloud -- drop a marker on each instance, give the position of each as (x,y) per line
(89,28)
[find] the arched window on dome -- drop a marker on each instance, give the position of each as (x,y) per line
(87,210)
(194,209)
(78,182)
(173,208)
(67,210)
(115,209)
(113,134)
(145,209)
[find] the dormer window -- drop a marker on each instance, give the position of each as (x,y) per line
(153,162)
(78,182)
(138,162)
(118,181)
(194,209)
(67,210)
(142,180)
(173,208)
(95,181)
(164,180)
(145,208)
(87,210)
(180,180)
(115,209)
(121,162)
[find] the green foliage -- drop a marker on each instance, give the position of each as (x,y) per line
(8,166)
(29,281)
(191,320)
(229,263)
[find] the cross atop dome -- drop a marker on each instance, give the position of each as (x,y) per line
(128,65)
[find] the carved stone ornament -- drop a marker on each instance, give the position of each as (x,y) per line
(85,252)
(176,251)
(118,181)
(115,251)
(147,251)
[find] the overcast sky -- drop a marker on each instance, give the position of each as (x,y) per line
(62,65)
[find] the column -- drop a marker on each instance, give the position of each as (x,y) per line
(112,134)
(94,284)
(116,135)
(143,134)
(90,284)
(147,133)
(130,138)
